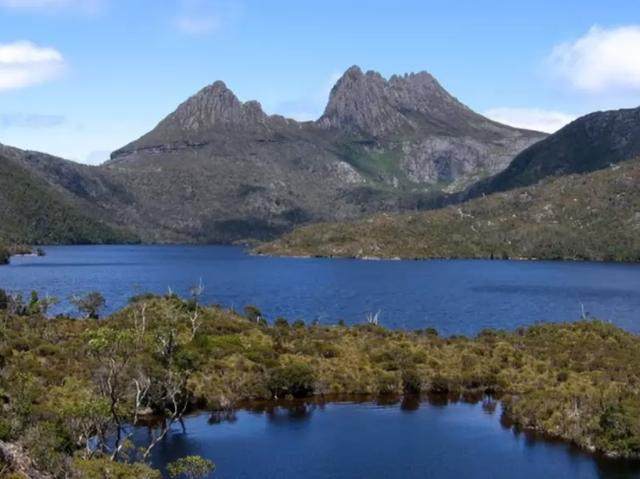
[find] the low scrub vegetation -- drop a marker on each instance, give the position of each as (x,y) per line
(71,387)
(579,217)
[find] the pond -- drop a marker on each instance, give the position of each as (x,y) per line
(401,440)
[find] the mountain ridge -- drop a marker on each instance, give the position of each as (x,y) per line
(591,142)
(220,170)
(237,172)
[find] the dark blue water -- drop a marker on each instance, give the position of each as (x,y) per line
(453,296)
(363,440)
(371,441)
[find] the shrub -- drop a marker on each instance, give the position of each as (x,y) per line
(4,300)
(89,305)
(191,467)
(296,379)
(254,315)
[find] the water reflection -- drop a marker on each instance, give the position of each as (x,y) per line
(392,437)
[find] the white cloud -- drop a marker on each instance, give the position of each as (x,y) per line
(24,64)
(537,119)
(601,61)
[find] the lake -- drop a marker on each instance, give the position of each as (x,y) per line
(343,440)
(404,441)
(455,297)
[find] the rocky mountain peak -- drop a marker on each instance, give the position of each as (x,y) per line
(369,104)
(213,106)
(359,102)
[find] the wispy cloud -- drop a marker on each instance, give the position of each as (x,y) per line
(537,119)
(52,6)
(96,157)
(33,121)
(193,25)
(601,61)
(203,17)
(311,106)
(23,64)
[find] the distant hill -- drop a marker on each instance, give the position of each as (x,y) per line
(220,170)
(590,143)
(36,210)
(581,216)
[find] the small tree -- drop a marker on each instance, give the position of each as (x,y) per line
(89,305)
(253,314)
(39,305)
(191,467)
(4,299)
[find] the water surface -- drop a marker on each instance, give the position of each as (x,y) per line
(454,296)
(403,441)
(411,440)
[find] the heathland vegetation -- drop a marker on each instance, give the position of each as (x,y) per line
(595,216)
(33,211)
(71,388)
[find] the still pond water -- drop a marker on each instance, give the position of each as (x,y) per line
(373,441)
(357,440)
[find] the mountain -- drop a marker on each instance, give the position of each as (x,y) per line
(592,216)
(47,200)
(219,170)
(572,195)
(415,132)
(590,143)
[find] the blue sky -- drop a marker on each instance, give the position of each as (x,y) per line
(79,78)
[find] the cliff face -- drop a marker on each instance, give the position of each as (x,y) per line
(432,137)
(218,169)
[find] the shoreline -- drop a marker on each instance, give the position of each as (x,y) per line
(275,254)
(558,379)
(405,402)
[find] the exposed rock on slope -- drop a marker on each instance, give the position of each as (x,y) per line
(591,216)
(433,138)
(219,170)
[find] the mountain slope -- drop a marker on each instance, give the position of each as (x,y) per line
(35,210)
(219,170)
(429,137)
(590,143)
(592,216)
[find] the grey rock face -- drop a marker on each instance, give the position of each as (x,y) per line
(367,103)
(436,138)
